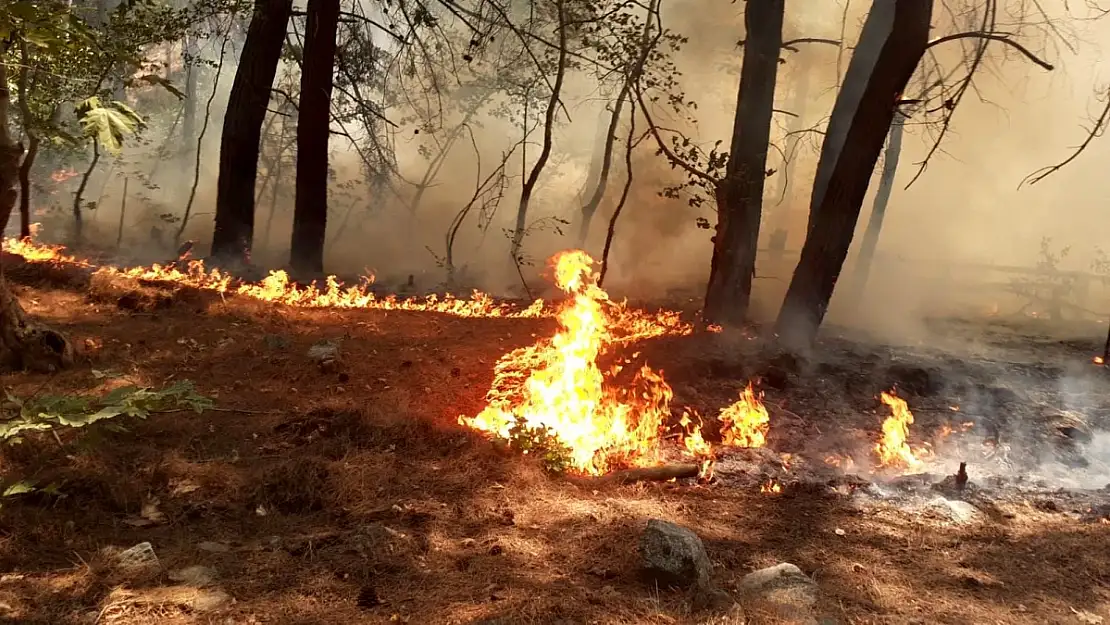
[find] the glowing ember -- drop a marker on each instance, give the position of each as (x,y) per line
(745,423)
(770,486)
(1098,360)
(557,386)
(894,449)
(64,174)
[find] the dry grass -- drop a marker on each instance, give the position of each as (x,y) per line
(353,496)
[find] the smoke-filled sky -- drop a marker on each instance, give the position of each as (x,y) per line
(965,207)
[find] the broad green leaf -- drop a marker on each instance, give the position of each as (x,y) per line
(19,488)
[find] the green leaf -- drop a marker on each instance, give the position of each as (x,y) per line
(108,124)
(19,488)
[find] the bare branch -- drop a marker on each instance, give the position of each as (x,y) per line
(793,43)
(1095,131)
(671,156)
(1000,37)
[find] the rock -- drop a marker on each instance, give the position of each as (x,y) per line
(783,590)
(195,575)
(674,555)
(323,351)
(958,511)
(137,558)
(213,547)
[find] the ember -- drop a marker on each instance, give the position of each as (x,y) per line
(770,486)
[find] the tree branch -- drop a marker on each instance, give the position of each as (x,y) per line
(671,156)
(793,43)
(1000,37)
(1096,131)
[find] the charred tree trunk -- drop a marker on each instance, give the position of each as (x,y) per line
(891,45)
(878,208)
(242,130)
(310,211)
(740,194)
(25,185)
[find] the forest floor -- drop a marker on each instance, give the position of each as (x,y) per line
(353,496)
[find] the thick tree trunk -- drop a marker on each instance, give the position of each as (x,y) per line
(878,208)
(246,111)
(310,212)
(891,44)
(26,345)
(740,194)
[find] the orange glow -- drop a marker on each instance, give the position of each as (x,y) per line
(894,449)
(696,445)
(556,385)
(770,486)
(745,423)
(62,175)
(1098,360)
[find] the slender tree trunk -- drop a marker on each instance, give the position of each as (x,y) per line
(189,118)
(310,212)
(11,153)
(79,196)
(242,130)
(891,45)
(780,216)
(25,185)
(878,208)
(548,131)
(740,194)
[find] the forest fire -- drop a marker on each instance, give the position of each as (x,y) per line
(557,388)
(745,422)
(893,449)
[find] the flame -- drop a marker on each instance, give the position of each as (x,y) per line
(745,423)
(557,386)
(894,450)
(770,486)
(1098,360)
(696,445)
(278,288)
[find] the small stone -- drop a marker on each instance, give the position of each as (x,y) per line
(674,555)
(323,352)
(783,587)
(213,547)
(195,575)
(958,511)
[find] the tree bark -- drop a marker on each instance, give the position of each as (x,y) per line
(891,45)
(11,153)
(25,185)
(310,210)
(878,208)
(189,118)
(599,178)
(26,345)
(242,130)
(740,194)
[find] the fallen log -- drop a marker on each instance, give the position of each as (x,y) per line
(661,473)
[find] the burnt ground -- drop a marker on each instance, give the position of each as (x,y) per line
(352,496)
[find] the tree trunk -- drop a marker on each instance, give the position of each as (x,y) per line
(189,118)
(781,215)
(878,208)
(25,185)
(310,210)
(598,178)
(548,132)
(242,130)
(26,345)
(891,45)
(11,153)
(740,194)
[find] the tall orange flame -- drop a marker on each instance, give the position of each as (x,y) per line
(894,449)
(745,422)
(557,385)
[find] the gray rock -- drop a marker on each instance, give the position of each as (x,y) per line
(323,351)
(674,555)
(960,512)
(783,590)
(195,575)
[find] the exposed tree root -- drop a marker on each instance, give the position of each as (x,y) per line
(26,344)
